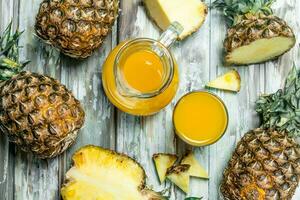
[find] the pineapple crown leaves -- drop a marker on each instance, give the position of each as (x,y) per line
(234,10)
(9,54)
(165,195)
(281,110)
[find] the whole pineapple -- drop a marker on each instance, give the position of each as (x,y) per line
(255,34)
(266,163)
(76,27)
(38,114)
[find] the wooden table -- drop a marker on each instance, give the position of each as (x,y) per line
(24,177)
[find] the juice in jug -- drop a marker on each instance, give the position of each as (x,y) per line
(143,71)
(140,76)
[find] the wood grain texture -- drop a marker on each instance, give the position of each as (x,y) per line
(24,177)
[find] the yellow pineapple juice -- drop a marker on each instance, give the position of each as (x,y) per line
(137,80)
(143,71)
(200,118)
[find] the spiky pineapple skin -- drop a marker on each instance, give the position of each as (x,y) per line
(76,27)
(39,114)
(265,165)
(250,28)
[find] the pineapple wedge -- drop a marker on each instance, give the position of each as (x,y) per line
(162,162)
(230,81)
(105,175)
(196,170)
(190,14)
(180,176)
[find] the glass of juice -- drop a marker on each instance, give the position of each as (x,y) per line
(140,76)
(200,118)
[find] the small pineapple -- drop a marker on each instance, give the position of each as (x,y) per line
(266,162)
(231,81)
(255,34)
(180,176)
(190,14)
(38,114)
(162,163)
(76,27)
(196,170)
(103,174)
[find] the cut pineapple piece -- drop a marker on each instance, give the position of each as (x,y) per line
(196,170)
(230,81)
(105,175)
(179,175)
(190,14)
(162,163)
(260,51)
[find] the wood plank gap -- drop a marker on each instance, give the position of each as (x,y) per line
(209,75)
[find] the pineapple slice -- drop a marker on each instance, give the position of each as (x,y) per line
(259,51)
(180,176)
(190,14)
(196,170)
(162,162)
(230,81)
(105,175)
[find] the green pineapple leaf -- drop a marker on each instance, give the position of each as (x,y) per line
(9,53)
(193,198)
(281,110)
(233,10)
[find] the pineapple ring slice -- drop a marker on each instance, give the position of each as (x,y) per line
(101,174)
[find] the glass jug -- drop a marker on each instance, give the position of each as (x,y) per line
(140,76)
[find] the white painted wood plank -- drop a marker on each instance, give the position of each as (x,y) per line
(36,179)
(140,137)
(276,72)
(7,11)
(237,105)
(84,79)
(193,59)
(257,79)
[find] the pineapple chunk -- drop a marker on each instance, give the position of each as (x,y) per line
(190,14)
(230,81)
(196,170)
(162,163)
(105,175)
(180,176)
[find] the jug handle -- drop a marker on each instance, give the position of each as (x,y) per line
(172,33)
(168,37)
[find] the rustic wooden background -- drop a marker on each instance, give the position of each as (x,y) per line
(24,177)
